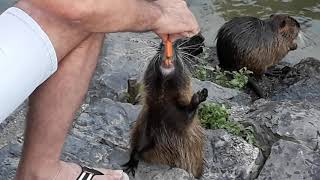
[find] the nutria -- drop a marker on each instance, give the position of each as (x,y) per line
(167,130)
(256,44)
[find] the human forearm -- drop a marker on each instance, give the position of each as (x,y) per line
(121,15)
(161,16)
(106,15)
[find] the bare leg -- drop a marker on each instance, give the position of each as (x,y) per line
(53,104)
(51,112)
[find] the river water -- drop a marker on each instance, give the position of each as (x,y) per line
(307,12)
(4,4)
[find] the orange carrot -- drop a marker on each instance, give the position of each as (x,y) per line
(169,48)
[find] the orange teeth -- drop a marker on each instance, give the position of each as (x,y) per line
(167,62)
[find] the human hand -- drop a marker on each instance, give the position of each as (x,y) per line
(176,20)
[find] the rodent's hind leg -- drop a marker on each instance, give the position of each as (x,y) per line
(144,144)
(132,164)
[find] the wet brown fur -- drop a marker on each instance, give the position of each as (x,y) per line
(167,130)
(256,44)
(182,147)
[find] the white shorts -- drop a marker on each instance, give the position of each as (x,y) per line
(27,59)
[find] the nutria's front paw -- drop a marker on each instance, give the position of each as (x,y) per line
(198,98)
(203,94)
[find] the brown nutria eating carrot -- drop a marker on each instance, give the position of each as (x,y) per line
(167,130)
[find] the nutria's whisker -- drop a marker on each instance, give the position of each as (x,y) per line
(182,62)
(145,53)
(147,57)
(196,45)
(188,54)
(186,59)
(308,38)
(184,41)
(146,49)
(148,53)
(301,38)
(148,43)
(155,60)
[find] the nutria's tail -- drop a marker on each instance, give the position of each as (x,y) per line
(253,85)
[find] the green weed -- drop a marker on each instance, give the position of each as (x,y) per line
(234,79)
(215,116)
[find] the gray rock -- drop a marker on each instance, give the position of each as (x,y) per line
(230,157)
(9,159)
(291,161)
(219,94)
(216,93)
(11,130)
(158,172)
(125,55)
(294,121)
(100,136)
(302,84)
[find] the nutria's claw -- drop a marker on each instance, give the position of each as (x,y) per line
(276,72)
(203,94)
(130,167)
(279,72)
(199,97)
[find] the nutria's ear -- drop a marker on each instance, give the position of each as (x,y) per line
(271,16)
(283,23)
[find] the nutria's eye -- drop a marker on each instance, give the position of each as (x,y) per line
(271,16)
(283,24)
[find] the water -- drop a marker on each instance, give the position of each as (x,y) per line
(307,12)
(4,4)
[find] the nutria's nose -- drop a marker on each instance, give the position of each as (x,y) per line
(294,46)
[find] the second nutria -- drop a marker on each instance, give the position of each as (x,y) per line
(256,44)
(167,130)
